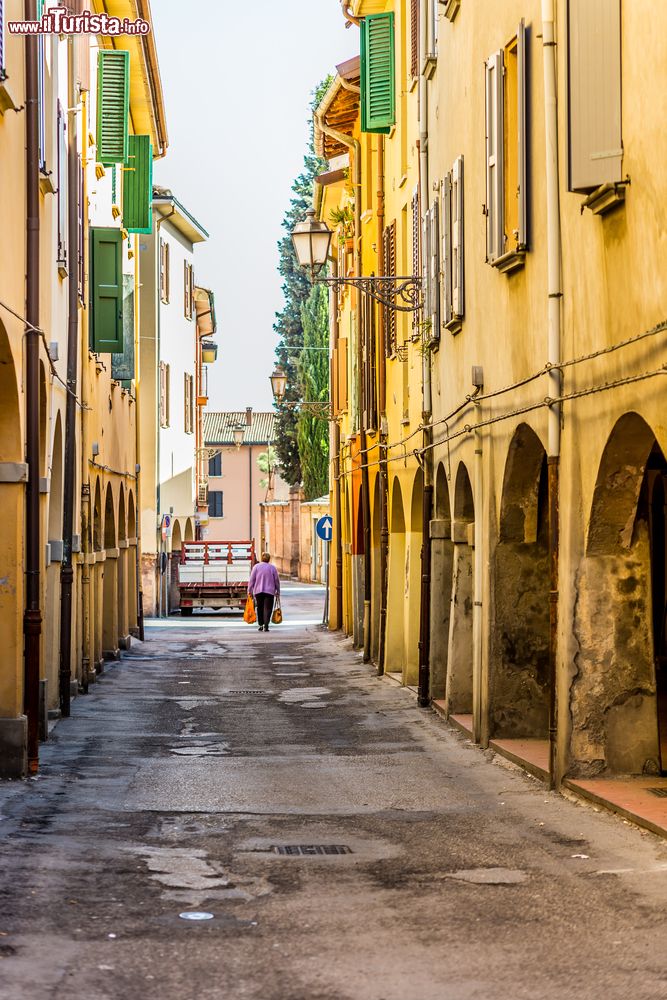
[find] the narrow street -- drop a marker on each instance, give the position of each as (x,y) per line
(415,869)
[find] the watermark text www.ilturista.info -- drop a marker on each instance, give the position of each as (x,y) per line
(59,21)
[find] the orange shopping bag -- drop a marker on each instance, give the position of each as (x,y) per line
(249,615)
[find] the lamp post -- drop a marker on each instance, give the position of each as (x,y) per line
(312,240)
(238,433)
(278,381)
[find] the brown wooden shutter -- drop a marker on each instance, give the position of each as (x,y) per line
(162,393)
(342,373)
(390,272)
(414,37)
(594,59)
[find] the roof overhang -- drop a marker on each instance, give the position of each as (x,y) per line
(166,206)
(338,110)
(147,111)
(205,308)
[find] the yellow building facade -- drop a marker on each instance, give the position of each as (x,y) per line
(370,197)
(85,404)
(519,432)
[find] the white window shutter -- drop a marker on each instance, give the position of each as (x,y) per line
(522,239)
(434,249)
(426,263)
(594,60)
(458,288)
(447,246)
(495,223)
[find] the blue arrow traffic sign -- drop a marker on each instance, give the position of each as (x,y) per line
(324,528)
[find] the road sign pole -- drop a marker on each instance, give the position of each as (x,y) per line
(325,619)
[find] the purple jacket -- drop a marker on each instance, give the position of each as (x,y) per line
(264,579)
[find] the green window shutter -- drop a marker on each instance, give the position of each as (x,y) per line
(106,291)
(113,105)
(378,82)
(138,185)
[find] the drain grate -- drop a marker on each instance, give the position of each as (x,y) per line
(247,691)
(310,850)
(660,792)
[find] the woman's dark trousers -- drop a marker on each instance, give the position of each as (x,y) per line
(264,608)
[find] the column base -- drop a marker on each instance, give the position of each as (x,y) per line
(111,654)
(14,748)
(125,642)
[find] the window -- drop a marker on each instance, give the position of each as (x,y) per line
(215,465)
(431,269)
(378,72)
(62,190)
(414,37)
(452,247)
(215,503)
(188,290)
(106,291)
(189,403)
(138,185)
(389,315)
(594,63)
(164,271)
(164,394)
(113,105)
(506,170)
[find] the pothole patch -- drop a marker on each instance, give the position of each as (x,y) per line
(489,876)
(296,696)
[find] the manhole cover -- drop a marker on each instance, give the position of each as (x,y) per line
(310,850)
(660,792)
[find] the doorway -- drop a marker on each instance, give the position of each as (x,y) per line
(655,482)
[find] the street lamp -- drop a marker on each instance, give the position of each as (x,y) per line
(278,382)
(209,352)
(238,432)
(312,239)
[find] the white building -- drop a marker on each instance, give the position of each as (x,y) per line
(168,391)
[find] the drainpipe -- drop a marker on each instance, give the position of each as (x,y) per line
(478,589)
(382,401)
(86,520)
(335,332)
(137,431)
(69,484)
(555,295)
(424,682)
(349,17)
(32,618)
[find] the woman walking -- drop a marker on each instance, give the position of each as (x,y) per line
(264,586)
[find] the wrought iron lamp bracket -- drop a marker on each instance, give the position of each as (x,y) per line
(401,294)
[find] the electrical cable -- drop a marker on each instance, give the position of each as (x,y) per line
(55,374)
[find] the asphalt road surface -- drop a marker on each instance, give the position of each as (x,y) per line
(345,844)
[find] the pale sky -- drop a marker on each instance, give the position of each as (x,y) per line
(237,79)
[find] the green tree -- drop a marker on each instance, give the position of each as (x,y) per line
(313,367)
(267,462)
(289,325)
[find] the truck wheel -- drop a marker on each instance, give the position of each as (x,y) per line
(186,612)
